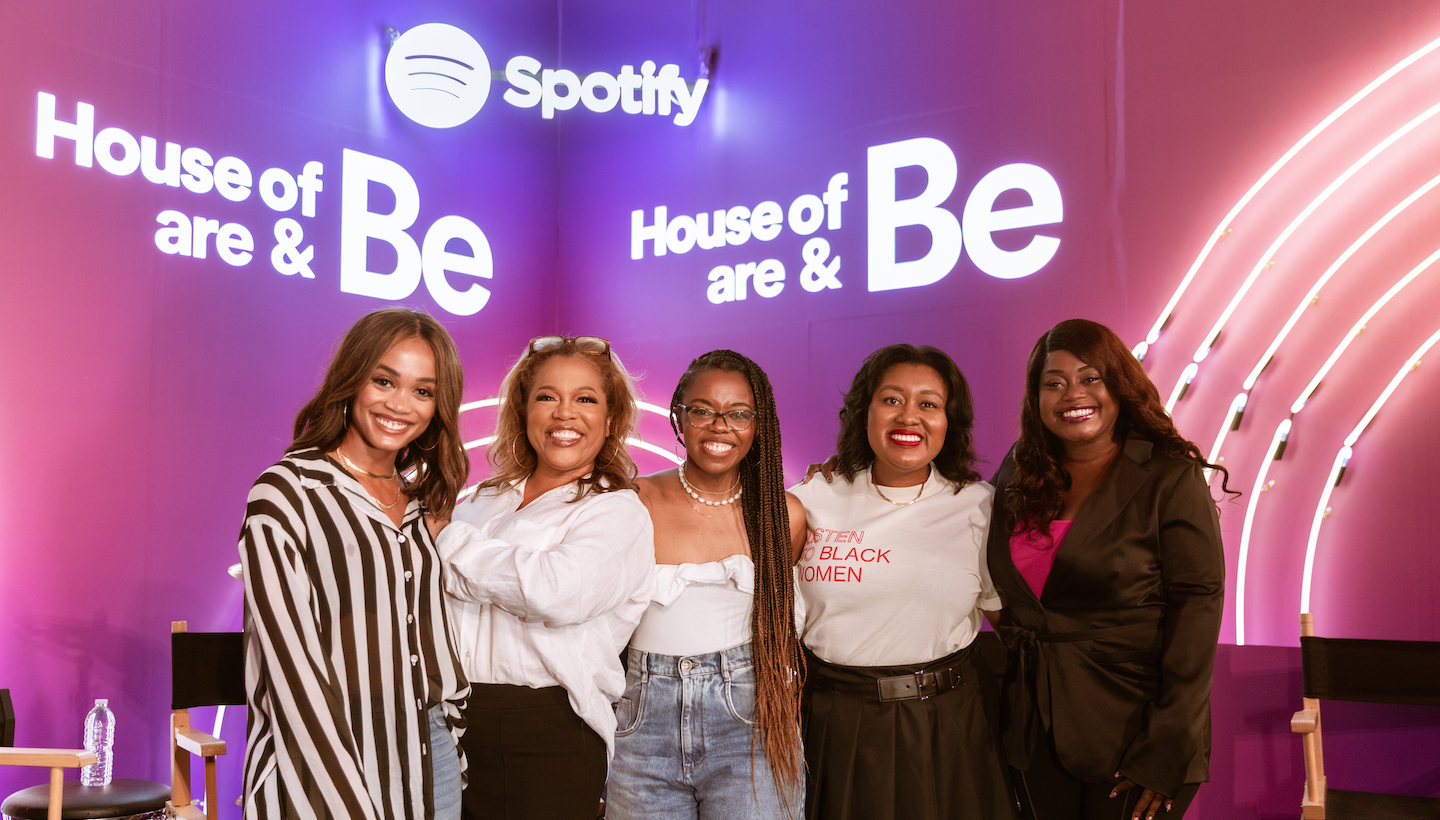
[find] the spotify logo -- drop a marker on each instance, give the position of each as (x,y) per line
(437,75)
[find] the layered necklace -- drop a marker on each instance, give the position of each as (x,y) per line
(893,501)
(362,471)
(695,494)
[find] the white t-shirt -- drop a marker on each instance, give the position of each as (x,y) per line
(884,585)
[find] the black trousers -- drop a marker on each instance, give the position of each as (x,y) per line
(1047,792)
(530,756)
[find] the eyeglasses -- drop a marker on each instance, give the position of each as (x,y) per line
(702,417)
(583,344)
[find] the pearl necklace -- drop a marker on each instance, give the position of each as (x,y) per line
(696,495)
(893,501)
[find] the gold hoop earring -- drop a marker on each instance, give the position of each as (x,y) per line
(431,447)
(513,453)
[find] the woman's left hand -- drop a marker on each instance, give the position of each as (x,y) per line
(435,525)
(1150,801)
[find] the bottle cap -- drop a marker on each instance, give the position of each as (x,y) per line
(102,702)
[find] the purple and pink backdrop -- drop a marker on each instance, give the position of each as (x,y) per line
(1241,187)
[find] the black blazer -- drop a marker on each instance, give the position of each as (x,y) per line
(1114,659)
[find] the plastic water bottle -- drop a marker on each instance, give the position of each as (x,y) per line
(99,736)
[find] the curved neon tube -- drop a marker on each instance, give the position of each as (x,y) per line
(1358,327)
(1223,227)
(1236,408)
(1340,460)
(1280,433)
(1265,259)
(1410,364)
(1343,457)
(1329,272)
(1186,376)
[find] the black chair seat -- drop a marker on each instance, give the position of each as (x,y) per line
(1343,805)
(121,798)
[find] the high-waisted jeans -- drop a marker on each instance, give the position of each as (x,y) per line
(684,739)
(445,763)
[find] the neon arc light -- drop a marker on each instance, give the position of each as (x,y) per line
(1281,433)
(1359,327)
(1265,258)
(1224,226)
(1342,458)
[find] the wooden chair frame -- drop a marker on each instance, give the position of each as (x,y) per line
(186,742)
(1306,723)
(56,760)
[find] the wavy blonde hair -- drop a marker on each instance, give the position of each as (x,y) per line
(511,456)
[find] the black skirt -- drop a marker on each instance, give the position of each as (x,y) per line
(935,758)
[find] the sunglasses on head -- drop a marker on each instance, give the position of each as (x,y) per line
(583,344)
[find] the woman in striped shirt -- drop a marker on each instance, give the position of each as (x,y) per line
(356,698)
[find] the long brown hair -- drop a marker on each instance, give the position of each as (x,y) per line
(511,456)
(437,455)
(1035,493)
(779,663)
(956,459)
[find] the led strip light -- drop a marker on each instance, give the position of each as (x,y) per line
(1294,409)
(1281,434)
(1266,259)
(1238,406)
(1224,226)
(1343,458)
(1359,327)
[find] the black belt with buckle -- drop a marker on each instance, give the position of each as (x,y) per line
(920,685)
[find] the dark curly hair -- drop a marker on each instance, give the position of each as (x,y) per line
(956,459)
(1034,496)
(779,663)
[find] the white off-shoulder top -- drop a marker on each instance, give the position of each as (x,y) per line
(696,609)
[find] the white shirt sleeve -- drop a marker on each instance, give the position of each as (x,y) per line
(598,564)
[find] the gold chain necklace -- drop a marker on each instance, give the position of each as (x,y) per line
(352,465)
(893,501)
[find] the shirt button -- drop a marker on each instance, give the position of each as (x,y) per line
(407,574)
(402,539)
(414,659)
(409,619)
(419,704)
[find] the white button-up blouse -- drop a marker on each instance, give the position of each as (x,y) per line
(549,595)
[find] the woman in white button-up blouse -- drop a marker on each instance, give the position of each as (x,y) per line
(549,565)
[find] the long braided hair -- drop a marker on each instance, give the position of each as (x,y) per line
(779,664)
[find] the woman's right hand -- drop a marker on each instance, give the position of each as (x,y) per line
(827,470)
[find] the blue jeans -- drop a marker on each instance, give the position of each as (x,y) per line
(682,749)
(445,767)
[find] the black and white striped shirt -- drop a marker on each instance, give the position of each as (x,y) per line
(346,645)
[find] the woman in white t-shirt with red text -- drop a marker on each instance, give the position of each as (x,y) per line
(893,580)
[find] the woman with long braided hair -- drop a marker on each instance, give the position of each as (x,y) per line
(894,579)
(709,726)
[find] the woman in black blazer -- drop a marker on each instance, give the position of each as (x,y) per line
(1105,547)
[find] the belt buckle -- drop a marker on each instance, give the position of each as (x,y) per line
(920,686)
